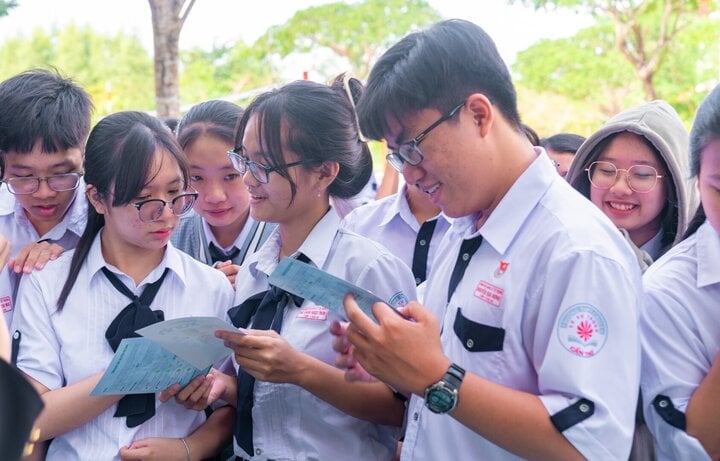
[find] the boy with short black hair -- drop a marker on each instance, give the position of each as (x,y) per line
(44,123)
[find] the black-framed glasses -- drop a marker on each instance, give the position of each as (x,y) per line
(640,178)
(409,151)
(31,184)
(151,209)
(259,171)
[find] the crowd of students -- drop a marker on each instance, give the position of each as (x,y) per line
(557,295)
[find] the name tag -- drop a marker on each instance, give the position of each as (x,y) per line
(489,293)
(313,312)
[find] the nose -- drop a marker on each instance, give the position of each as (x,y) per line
(621,186)
(214,192)
(249,179)
(44,190)
(412,173)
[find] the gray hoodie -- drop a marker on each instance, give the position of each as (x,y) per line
(658,122)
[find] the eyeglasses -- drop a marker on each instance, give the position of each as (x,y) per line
(31,184)
(150,210)
(409,151)
(640,178)
(259,171)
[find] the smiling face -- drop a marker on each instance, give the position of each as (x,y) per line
(638,213)
(709,182)
(223,199)
(123,226)
(45,208)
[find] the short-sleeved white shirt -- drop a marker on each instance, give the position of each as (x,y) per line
(680,331)
(557,279)
(288,421)
(390,222)
(62,348)
(17,228)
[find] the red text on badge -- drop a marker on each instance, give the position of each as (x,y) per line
(313,313)
(489,293)
(6,304)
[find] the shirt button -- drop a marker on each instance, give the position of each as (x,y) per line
(466,256)
(16,335)
(417,280)
(584,407)
(470,343)
(422,242)
(258,452)
(416,416)
(663,403)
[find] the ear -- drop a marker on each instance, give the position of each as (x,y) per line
(327,172)
(95,199)
(483,112)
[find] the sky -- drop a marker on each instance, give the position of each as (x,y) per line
(513,27)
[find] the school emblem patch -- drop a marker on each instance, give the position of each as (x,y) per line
(6,304)
(582,330)
(398,300)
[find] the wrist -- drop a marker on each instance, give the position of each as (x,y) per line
(434,374)
(444,395)
(186,448)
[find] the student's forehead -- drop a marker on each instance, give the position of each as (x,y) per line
(39,159)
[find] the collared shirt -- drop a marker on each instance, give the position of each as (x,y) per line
(62,348)
(288,421)
(17,228)
(680,330)
(548,306)
(390,222)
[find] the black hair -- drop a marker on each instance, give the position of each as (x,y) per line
(563,142)
(436,68)
(705,129)
(171,123)
(42,106)
(531,134)
(320,125)
(216,118)
(118,161)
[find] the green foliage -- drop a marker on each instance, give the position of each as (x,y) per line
(6,5)
(356,32)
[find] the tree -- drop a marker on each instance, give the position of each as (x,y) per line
(168,17)
(5,6)
(357,32)
(644,30)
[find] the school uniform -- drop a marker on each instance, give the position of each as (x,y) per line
(194,236)
(680,331)
(17,228)
(390,222)
(61,348)
(546,304)
(289,422)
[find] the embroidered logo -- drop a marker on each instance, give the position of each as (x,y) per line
(313,312)
(489,293)
(502,267)
(398,300)
(6,304)
(582,330)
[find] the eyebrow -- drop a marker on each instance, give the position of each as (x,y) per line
(64,163)
(654,164)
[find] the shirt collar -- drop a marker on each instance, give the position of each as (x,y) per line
(239,240)
(400,208)
(708,255)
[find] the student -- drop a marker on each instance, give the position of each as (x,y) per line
(516,354)
(220,233)
(634,168)
(137,179)
(680,322)
(44,122)
(297,147)
(561,148)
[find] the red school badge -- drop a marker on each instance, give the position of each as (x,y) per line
(502,267)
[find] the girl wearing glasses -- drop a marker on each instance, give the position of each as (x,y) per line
(680,325)
(137,185)
(297,147)
(220,233)
(634,168)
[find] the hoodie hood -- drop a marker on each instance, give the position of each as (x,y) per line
(658,122)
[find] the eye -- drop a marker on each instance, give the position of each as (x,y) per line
(232,177)
(195,178)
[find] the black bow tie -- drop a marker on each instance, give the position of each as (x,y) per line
(218,255)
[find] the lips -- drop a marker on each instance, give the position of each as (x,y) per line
(46,210)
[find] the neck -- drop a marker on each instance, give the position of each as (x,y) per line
(420,205)
(137,265)
(227,235)
(294,233)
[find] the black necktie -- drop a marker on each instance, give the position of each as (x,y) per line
(218,255)
(266,310)
(467,250)
(422,248)
(138,408)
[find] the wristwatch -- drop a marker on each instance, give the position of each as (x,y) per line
(442,397)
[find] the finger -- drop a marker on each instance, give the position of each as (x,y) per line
(201,395)
(345,361)
(190,389)
(357,317)
(169,392)
(216,391)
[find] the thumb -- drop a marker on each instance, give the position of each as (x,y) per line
(415,311)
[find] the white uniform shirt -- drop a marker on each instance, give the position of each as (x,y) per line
(390,222)
(680,330)
(557,279)
(61,348)
(288,421)
(18,229)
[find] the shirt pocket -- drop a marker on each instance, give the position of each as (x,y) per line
(478,337)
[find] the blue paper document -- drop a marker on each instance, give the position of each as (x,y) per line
(324,289)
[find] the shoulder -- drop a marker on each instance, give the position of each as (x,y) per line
(372,213)
(198,274)
(359,254)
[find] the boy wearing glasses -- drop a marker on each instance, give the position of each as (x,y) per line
(527,344)
(44,122)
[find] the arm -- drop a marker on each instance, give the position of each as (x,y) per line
(514,420)
(268,357)
(703,411)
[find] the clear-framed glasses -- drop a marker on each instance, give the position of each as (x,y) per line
(30,184)
(151,209)
(640,178)
(259,171)
(409,151)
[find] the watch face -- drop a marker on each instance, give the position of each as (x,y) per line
(440,400)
